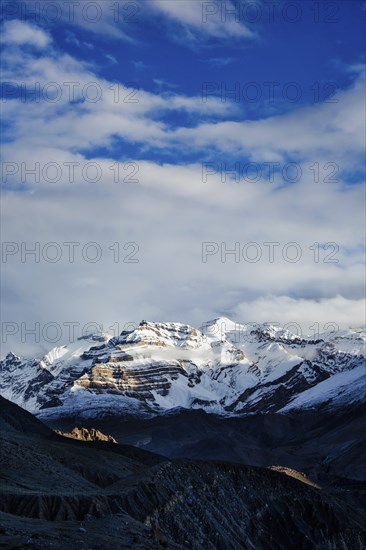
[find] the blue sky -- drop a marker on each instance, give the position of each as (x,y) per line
(298,72)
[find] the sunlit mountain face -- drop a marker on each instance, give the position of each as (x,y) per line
(224,368)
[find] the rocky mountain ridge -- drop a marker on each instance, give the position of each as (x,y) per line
(225,368)
(101,495)
(87,434)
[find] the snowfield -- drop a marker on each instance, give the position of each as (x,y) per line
(225,368)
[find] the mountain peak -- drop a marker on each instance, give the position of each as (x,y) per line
(227,368)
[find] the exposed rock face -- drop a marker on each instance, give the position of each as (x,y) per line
(295,474)
(87,434)
(226,368)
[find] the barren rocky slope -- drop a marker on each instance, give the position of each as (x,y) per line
(103,495)
(330,446)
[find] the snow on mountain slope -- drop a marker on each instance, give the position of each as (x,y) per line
(348,386)
(226,368)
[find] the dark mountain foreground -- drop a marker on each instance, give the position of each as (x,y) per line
(329,446)
(59,492)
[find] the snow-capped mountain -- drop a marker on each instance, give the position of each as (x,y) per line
(225,368)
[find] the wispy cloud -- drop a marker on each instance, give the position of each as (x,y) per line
(163,84)
(72,39)
(112,59)
(220,61)
(202,19)
(139,65)
(21,33)
(99,18)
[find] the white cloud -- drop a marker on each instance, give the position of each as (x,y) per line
(125,112)
(323,133)
(312,132)
(171,211)
(197,19)
(20,33)
(327,132)
(312,316)
(102,18)
(207,18)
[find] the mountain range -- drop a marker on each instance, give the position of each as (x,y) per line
(224,369)
(167,436)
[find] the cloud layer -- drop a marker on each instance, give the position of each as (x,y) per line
(193,237)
